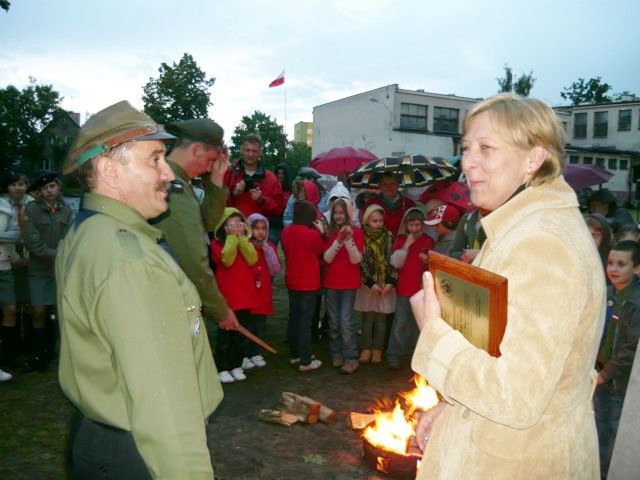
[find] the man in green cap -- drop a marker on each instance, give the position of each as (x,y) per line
(199,150)
(134,359)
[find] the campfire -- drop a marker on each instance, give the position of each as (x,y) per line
(389,442)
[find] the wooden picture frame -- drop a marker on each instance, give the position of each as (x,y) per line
(473,300)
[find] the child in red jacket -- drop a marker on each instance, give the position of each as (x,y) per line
(234,256)
(268,266)
(302,244)
(343,253)
(409,256)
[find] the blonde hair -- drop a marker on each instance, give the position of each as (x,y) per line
(526,123)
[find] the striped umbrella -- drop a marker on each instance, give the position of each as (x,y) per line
(410,170)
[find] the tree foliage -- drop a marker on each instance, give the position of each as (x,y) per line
(589,91)
(181,92)
(298,156)
(521,85)
(274,139)
(23,115)
(5,4)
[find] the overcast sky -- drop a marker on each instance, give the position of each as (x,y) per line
(96,53)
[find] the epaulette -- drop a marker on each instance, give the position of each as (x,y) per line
(129,243)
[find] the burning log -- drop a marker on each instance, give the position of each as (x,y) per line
(277,416)
(359,421)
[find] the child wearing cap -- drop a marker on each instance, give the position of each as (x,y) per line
(409,256)
(445,219)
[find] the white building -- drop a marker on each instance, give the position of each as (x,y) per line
(606,134)
(390,121)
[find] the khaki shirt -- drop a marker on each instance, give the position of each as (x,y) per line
(185,227)
(134,353)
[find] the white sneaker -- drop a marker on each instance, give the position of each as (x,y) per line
(248,363)
(312,366)
(5,376)
(225,377)
(238,374)
(258,361)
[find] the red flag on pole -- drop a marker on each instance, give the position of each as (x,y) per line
(278,81)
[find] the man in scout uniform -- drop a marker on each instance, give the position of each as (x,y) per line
(198,151)
(44,225)
(134,358)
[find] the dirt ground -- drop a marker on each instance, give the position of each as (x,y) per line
(34,417)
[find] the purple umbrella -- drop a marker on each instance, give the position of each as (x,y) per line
(580,175)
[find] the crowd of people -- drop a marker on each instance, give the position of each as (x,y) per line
(148,236)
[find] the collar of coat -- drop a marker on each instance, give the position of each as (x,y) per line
(551,196)
(259,175)
(121,212)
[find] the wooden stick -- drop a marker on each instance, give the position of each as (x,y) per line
(326,415)
(256,340)
(304,408)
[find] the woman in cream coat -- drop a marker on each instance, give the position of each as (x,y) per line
(528,413)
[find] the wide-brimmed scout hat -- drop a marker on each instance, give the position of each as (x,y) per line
(113,126)
(202,130)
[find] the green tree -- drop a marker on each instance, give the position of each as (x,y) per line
(521,85)
(298,156)
(590,91)
(625,93)
(5,4)
(181,92)
(274,140)
(23,115)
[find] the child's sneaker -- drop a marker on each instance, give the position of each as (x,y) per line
(248,363)
(312,366)
(349,367)
(258,361)
(238,374)
(225,377)
(296,360)
(365,356)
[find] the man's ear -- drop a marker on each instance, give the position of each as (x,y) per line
(107,170)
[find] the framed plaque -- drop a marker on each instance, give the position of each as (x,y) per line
(473,300)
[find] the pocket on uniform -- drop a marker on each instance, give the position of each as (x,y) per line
(497,440)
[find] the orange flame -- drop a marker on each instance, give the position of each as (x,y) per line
(392,430)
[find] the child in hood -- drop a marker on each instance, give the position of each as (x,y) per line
(234,257)
(268,265)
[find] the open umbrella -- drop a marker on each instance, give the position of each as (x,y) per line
(341,160)
(411,171)
(580,175)
(449,191)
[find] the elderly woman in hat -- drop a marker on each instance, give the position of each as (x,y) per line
(528,412)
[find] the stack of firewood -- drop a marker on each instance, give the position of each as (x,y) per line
(295,408)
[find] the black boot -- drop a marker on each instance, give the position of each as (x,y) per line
(9,350)
(38,360)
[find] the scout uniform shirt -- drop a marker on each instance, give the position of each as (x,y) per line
(134,353)
(182,227)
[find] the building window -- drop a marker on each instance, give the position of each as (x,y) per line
(624,120)
(580,125)
(413,117)
(624,164)
(613,164)
(587,160)
(574,159)
(600,162)
(600,124)
(445,119)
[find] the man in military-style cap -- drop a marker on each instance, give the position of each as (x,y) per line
(134,358)
(199,150)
